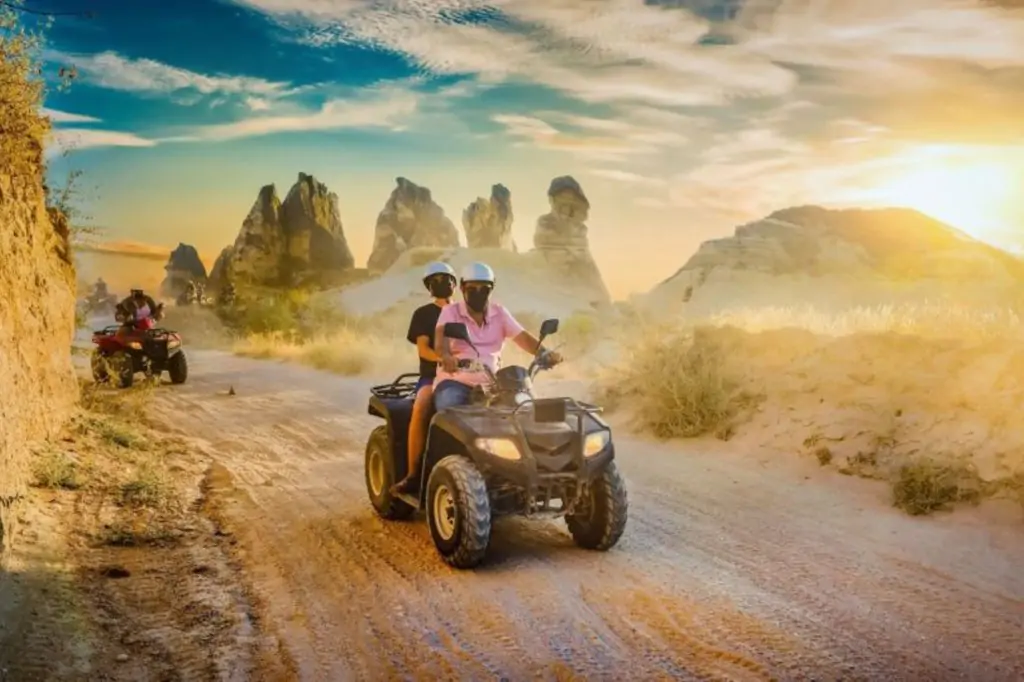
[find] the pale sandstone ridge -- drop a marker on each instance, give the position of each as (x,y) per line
(864,252)
(488,222)
(410,219)
(561,238)
(37,303)
(183,266)
(289,243)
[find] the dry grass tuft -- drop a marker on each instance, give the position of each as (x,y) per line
(345,351)
(925,486)
(675,383)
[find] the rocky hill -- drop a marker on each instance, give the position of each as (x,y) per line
(37,303)
(183,266)
(288,243)
(409,219)
(805,253)
(488,222)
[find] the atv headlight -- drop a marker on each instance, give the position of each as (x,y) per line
(135,345)
(173,344)
(595,443)
(499,447)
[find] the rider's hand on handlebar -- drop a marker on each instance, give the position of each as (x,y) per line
(554,358)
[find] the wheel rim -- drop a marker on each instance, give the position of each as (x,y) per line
(376,472)
(444,512)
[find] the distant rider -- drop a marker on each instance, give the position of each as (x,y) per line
(439,279)
(489,325)
(137,308)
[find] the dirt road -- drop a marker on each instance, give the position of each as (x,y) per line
(728,569)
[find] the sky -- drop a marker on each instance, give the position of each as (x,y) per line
(681,119)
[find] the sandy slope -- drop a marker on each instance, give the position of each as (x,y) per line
(728,569)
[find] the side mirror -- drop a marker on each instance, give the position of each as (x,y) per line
(456,330)
(549,327)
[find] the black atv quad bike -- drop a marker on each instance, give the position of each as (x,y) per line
(506,453)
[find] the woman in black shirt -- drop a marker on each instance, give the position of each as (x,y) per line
(439,279)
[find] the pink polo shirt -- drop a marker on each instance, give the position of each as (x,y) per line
(489,338)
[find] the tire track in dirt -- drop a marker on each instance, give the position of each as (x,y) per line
(725,572)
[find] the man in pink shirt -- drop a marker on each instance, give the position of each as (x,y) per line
(489,324)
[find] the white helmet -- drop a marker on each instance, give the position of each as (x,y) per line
(478,272)
(438,268)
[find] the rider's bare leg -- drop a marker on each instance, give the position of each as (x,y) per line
(417,432)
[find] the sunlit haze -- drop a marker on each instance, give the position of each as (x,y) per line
(681,118)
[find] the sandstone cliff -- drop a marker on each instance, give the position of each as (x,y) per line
(294,242)
(183,265)
(410,219)
(488,222)
(816,247)
(37,303)
(561,238)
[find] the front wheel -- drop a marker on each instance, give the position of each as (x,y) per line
(177,367)
(459,511)
(100,370)
(601,519)
(124,368)
(380,476)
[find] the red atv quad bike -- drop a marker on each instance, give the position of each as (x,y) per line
(125,349)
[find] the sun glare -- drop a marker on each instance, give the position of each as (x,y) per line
(972,190)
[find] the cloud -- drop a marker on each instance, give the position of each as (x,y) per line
(89,138)
(129,249)
(388,107)
(116,72)
(257,103)
(651,202)
(628,178)
(66,117)
(543,135)
(598,51)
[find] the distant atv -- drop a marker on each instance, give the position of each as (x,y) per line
(125,349)
(507,453)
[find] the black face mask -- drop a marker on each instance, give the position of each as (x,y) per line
(441,287)
(476,299)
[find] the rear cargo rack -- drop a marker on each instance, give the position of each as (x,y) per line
(402,387)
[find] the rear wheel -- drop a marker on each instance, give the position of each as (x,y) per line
(177,367)
(459,511)
(599,522)
(380,476)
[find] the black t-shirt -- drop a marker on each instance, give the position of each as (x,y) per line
(423,323)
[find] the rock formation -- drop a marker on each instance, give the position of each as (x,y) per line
(37,309)
(410,218)
(488,223)
(880,245)
(891,243)
(283,244)
(183,266)
(561,237)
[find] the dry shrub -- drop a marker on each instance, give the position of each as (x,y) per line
(345,351)
(199,326)
(927,319)
(22,128)
(924,486)
(674,382)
